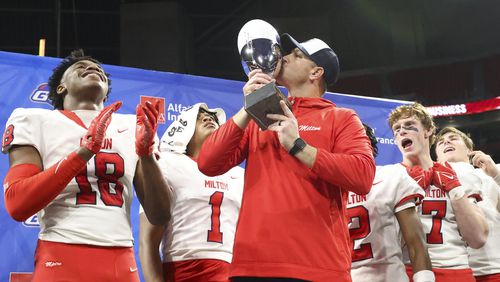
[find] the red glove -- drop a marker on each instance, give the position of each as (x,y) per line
(97,130)
(145,130)
(421,176)
(445,177)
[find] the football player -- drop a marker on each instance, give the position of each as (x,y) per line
(75,166)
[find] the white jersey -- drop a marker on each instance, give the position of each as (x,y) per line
(374,229)
(446,247)
(486,260)
(94,208)
(205,210)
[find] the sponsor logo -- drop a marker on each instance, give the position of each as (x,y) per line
(309,128)
(385,141)
(449,176)
(32,221)
(122,130)
(161,118)
(378,182)
(448,110)
(41,94)
(133,269)
(51,264)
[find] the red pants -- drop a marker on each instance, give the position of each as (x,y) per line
(488,278)
(198,270)
(447,275)
(74,262)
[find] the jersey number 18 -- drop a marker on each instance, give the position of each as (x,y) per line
(103,161)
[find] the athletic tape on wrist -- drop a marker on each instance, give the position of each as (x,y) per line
(424,276)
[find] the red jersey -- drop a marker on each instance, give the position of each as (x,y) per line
(293,219)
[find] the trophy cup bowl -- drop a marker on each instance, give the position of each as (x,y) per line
(258,44)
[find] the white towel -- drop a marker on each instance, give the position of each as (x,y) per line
(180,132)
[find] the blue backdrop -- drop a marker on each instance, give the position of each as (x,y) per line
(23,84)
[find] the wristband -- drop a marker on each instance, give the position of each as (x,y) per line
(456,193)
(424,276)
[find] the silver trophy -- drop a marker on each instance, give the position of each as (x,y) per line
(258,44)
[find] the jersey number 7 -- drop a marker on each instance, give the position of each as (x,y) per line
(438,211)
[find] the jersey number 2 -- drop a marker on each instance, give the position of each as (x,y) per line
(365,250)
(109,167)
(214,234)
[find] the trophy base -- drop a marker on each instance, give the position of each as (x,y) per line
(263,101)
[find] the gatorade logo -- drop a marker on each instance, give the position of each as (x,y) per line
(32,221)
(41,94)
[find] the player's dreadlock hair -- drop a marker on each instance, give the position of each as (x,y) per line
(57,100)
(373,140)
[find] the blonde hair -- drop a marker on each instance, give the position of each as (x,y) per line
(417,110)
(465,137)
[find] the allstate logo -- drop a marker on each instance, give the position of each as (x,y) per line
(32,221)
(41,94)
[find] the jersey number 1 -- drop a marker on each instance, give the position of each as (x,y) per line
(109,167)
(214,234)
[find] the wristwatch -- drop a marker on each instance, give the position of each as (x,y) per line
(298,145)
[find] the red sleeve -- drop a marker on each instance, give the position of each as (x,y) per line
(28,189)
(350,162)
(224,149)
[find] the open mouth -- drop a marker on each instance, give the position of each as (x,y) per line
(406,143)
(448,149)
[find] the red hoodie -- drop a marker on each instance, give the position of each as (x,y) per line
(293,219)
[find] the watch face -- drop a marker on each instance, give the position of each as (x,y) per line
(298,145)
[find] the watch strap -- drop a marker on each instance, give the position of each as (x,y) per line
(298,145)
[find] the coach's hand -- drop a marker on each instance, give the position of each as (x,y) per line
(421,176)
(286,126)
(97,130)
(146,125)
(256,80)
